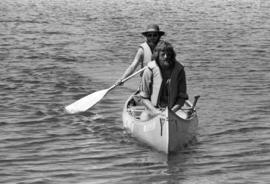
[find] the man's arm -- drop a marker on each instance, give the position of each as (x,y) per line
(182,92)
(132,67)
(146,91)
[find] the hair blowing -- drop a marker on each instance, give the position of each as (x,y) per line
(166,47)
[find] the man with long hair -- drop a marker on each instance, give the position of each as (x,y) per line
(164,81)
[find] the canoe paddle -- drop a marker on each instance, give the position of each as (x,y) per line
(90,100)
(192,109)
(195,102)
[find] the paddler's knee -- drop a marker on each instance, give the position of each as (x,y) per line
(146,115)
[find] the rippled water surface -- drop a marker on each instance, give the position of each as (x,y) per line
(54,52)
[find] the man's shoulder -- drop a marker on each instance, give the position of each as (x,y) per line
(152,64)
(178,65)
(143,46)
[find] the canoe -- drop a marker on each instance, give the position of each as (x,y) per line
(167,132)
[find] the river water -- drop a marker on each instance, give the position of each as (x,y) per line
(54,52)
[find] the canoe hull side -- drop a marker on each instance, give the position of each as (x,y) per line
(153,133)
(181,131)
(167,133)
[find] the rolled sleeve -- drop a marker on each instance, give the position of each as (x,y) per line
(146,83)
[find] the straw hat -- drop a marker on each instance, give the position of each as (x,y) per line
(153,28)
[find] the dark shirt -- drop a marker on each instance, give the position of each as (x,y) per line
(164,91)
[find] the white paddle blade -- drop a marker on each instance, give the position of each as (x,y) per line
(86,102)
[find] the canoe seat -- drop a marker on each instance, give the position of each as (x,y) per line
(136,111)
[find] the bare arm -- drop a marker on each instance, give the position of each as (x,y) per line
(137,60)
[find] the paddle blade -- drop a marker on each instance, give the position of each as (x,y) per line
(86,102)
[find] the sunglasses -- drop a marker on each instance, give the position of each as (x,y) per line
(152,35)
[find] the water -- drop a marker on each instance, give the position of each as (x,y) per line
(54,52)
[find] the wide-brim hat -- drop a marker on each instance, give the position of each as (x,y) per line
(153,28)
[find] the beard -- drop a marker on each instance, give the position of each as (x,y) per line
(166,64)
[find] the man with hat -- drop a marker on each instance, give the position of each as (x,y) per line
(152,36)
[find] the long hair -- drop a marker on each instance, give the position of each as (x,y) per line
(164,46)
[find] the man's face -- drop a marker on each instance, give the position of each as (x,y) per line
(165,59)
(152,38)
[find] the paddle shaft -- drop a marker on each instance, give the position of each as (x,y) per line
(127,78)
(195,102)
(139,71)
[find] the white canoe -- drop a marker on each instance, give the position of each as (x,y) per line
(168,132)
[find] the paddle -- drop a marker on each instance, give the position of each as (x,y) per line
(192,109)
(90,100)
(195,102)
